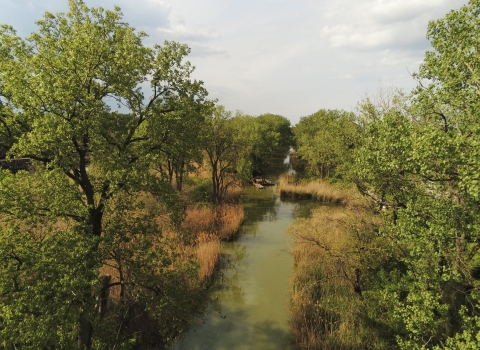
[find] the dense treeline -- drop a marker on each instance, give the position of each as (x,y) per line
(96,249)
(402,271)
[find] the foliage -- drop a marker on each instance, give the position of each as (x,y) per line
(336,284)
(222,151)
(276,124)
(325,139)
(420,164)
(77,210)
(237,146)
(182,151)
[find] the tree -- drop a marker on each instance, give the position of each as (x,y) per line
(280,125)
(324,139)
(222,150)
(182,150)
(276,139)
(424,165)
(58,88)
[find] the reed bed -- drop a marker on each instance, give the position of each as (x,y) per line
(335,250)
(223,221)
(207,225)
(229,218)
(198,219)
(316,189)
(233,195)
(207,254)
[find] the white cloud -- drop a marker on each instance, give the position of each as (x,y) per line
(180,32)
(381,24)
(204,50)
(142,14)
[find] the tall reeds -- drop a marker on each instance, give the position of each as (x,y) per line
(207,254)
(335,252)
(229,219)
(223,221)
(207,226)
(316,189)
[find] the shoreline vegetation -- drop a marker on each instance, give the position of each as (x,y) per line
(319,190)
(193,252)
(207,226)
(336,250)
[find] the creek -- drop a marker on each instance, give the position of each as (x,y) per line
(251,295)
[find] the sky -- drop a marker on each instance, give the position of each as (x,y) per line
(287,57)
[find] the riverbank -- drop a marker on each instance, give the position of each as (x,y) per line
(317,190)
(337,251)
(206,226)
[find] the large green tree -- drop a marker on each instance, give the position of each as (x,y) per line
(61,222)
(222,149)
(423,168)
(182,149)
(276,140)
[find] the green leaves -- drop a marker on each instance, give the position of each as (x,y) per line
(76,210)
(421,165)
(324,139)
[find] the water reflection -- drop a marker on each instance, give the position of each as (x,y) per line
(260,205)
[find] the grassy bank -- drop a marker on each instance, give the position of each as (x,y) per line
(336,254)
(317,189)
(207,226)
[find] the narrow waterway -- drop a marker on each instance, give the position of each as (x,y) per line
(251,306)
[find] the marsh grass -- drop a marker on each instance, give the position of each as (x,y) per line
(190,255)
(335,252)
(229,219)
(207,254)
(224,221)
(316,189)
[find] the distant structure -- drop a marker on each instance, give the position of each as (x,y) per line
(13,165)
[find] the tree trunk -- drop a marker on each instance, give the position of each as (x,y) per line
(85,330)
(215,185)
(179,176)
(170,171)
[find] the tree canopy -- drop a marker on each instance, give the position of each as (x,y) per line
(420,164)
(93,108)
(324,139)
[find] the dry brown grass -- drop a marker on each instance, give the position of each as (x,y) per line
(333,250)
(316,189)
(207,253)
(223,221)
(229,219)
(233,194)
(199,218)
(208,225)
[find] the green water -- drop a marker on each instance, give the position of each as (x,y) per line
(251,310)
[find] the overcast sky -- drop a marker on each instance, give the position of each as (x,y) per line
(288,57)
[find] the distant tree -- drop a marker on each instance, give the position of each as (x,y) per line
(182,149)
(282,126)
(222,150)
(325,140)
(276,140)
